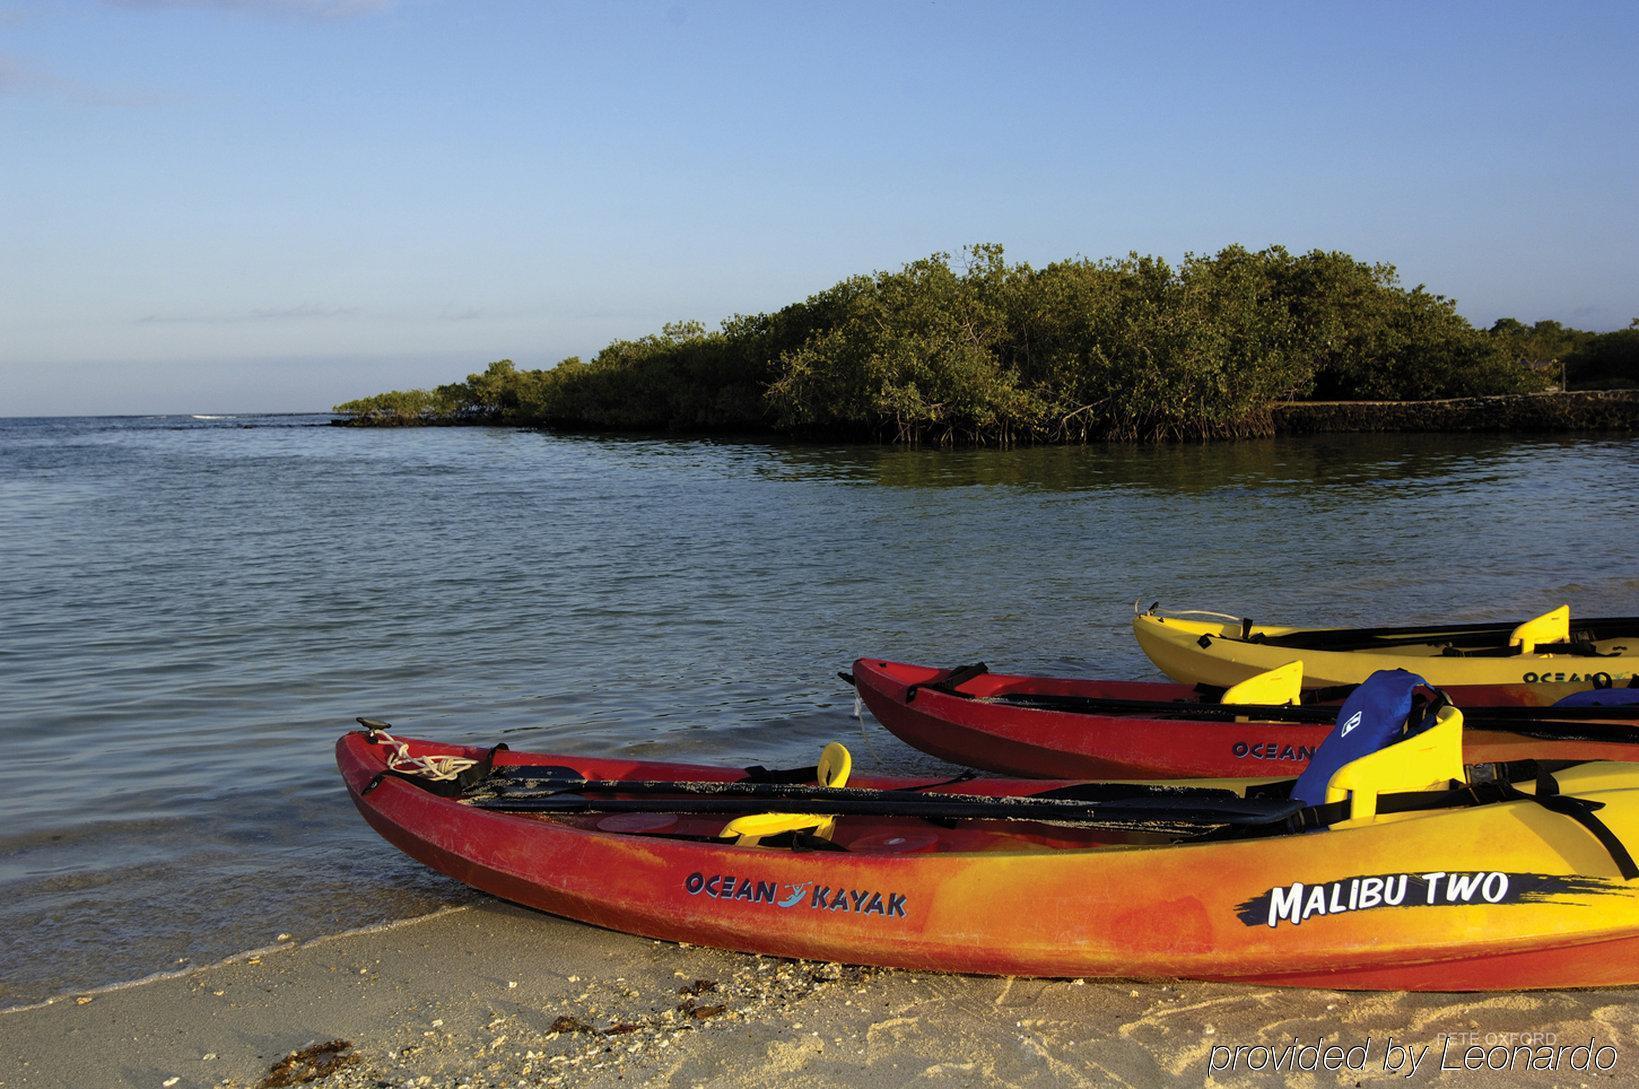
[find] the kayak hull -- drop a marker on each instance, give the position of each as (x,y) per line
(1055,744)
(1216,653)
(1539,902)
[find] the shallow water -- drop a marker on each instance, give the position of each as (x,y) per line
(191,611)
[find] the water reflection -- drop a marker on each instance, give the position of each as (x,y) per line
(1305,462)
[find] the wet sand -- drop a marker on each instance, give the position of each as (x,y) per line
(493,995)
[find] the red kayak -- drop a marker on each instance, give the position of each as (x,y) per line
(1061,728)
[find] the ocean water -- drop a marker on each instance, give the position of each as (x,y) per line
(192,610)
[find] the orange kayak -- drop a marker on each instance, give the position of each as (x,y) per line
(1012,877)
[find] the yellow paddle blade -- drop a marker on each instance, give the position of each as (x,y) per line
(749,830)
(1425,761)
(835,763)
(1553,626)
(1283,684)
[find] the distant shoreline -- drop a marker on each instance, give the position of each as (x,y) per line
(1576,411)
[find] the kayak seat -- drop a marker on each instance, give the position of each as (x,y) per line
(1553,626)
(1377,746)
(1281,685)
(836,763)
(1603,697)
(1431,759)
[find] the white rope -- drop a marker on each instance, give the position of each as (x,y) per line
(436,768)
(1179,614)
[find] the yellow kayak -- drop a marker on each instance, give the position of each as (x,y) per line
(1545,658)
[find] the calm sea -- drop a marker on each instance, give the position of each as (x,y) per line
(192,610)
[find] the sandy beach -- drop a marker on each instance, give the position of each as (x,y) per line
(494,995)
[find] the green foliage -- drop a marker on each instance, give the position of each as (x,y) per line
(413,406)
(1586,360)
(987,351)
(1542,344)
(1606,360)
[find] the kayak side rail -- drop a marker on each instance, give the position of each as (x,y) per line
(1530,721)
(1458,636)
(1133,815)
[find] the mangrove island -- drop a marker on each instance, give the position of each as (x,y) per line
(1243,343)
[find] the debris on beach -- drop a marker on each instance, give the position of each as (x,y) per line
(310,1063)
(616,1028)
(567,1023)
(757,989)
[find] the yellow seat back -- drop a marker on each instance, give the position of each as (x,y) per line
(1426,761)
(1553,626)
(749,830)
(1283,684)
(836,763)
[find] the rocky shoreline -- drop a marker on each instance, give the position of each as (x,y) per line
(1578,411)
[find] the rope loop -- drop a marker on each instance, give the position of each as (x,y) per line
(439,769)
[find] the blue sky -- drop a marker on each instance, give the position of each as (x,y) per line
(276,204)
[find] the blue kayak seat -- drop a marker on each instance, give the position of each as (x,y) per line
(1602,697)
(1377,714)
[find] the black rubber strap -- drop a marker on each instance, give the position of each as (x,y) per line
(1501,789)
(952,781)
(1407,801)
(948,682)
(1582,810)
(800,842)
(756,773)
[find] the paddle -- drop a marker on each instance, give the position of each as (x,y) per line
(1457,635)
(1531,721)
(1143,812)
(523,780)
